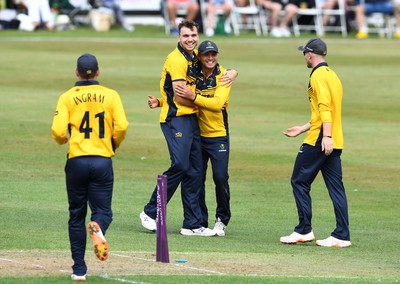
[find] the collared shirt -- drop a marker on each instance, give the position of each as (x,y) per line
(179,66)
(94,118)
(213,100)
(325,93)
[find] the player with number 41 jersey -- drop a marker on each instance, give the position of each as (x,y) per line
(97,121)
(91,118)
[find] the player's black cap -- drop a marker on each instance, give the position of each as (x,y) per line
(316,46)
(87,65)
(207,46)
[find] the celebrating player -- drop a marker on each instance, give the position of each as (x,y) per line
(181,131)
(212,99)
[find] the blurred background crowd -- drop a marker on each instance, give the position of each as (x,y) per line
(274,18)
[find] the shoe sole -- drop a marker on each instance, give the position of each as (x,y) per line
(100,245)
(334,246)
(195,234)
(298,241)
(78,278)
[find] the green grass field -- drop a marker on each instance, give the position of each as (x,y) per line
(268,97)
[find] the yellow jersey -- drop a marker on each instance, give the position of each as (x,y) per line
(94,118)
(325,93)
(213,100)
(179,66)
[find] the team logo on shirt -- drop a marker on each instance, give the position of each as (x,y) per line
(178,134)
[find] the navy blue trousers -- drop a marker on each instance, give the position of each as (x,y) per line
(216,150)
(310,160)
(182,134)
(90,180)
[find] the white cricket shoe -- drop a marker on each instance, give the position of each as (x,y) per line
(78,278)
(128,27)
(204,232)
(285,32)
(219,227)
(276,32)
(147,222)
(227,28)
(298,238)
(333,242)
(209,32)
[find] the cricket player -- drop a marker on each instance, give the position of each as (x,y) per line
(91,119)
(321,150)
(182,134)
(212,98)
(213,86)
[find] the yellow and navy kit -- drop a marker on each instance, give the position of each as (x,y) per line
(94,117)
(325,93)
(179,66)
(212,99)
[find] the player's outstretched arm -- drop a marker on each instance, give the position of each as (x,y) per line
(296,130)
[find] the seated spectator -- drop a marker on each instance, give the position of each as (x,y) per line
(375,6)
(117,11)
(8,17)
(290,7)
(38,12)
(212,7)
(329,5)
(192,9)
(396,4)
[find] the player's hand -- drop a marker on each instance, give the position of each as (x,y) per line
(327,145)
(152,102)
(293,131)
(184,92)
(228,77)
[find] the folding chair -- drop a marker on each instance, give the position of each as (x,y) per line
(339,13)
(180,13)
(380,23)
(79,8)
(316,25)
(203,11)
(264,15)
(251,12)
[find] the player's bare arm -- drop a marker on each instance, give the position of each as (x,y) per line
(327,141)
(228,77)
(180,99)
(296,130)
(184,92)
